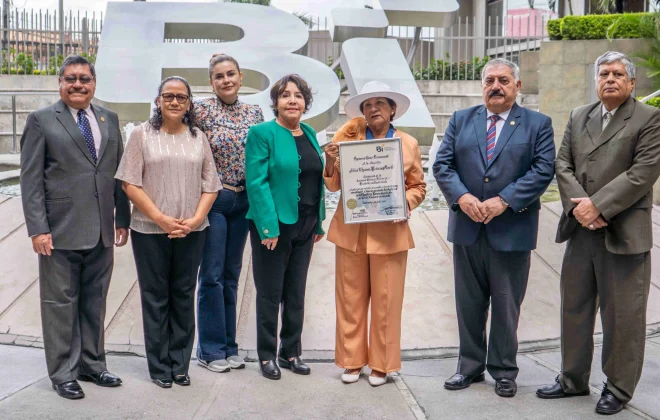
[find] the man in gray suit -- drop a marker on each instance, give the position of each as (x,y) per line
(69,155)
(606,167)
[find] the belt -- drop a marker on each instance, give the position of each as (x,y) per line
(234,188)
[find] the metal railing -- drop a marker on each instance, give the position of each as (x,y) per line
(34,42)
(649,97)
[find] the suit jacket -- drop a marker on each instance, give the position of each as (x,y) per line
(616,168)
(271,177)
(64,193)
(382,237)
(519,172)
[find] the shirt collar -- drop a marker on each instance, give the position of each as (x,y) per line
(605,111)
(389,135)
(74,111)
(504,115)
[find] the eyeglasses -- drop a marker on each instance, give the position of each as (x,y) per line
(84,80)
(180,98)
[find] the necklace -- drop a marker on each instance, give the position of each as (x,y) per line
(294,130)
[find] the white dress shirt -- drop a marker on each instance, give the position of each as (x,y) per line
(499,125)
(96,130)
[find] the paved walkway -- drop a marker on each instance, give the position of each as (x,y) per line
(429,331)
(415,394)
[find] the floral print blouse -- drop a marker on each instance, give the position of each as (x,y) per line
(226,127)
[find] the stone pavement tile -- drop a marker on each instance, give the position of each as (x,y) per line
(11,216)
(539,316)
(428,296)
(555,207)
(646,394)
(18,270)
(243,394)
(547,249)
(19,367)
(124,277)
(126,327)
(7,338)
(4,198)
(655,340)
(322,395)
(24,316)
(426,379)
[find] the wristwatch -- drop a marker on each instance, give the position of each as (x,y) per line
(504,202)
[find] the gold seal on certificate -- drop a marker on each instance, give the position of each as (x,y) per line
(372,181)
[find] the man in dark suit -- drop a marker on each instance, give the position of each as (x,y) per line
(69,155)
(607,164)
(493,165)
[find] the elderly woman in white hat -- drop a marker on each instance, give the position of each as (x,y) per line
(371,258)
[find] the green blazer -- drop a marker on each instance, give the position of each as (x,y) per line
(271,177)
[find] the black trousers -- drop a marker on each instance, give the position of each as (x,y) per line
(73,286)
(484,276)
(280,277)
(167,273)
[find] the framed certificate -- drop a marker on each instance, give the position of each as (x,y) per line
(372,181)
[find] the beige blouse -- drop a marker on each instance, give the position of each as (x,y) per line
(172,169)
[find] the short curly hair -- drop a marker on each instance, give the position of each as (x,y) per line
(280,86)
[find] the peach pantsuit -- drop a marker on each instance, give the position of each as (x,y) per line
(371,267)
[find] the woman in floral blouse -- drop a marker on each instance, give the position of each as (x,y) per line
(225,120)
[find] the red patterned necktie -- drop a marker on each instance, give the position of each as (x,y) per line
(491,136)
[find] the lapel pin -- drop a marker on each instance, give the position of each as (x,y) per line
(103,119)
(512,122)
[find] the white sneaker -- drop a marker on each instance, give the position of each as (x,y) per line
(377,381)
(236,362)
(350,378)
(219,366)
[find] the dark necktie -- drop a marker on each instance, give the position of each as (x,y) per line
(491,136)
(86,131)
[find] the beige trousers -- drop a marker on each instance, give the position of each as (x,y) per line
(361,278)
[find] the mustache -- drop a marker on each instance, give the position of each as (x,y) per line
(495,93)
(81,90)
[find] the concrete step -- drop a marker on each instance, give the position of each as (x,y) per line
(28,101)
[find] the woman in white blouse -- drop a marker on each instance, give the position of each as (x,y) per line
(169,174)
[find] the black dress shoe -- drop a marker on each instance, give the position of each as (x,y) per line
(506,388)
(296,365)
(608,403)
(163,383)
(459,381)
(183,380)
(70,390)
(556,391)
(270,370)
(104,378)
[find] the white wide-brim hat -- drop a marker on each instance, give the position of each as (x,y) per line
(376,89)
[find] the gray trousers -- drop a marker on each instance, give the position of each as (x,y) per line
(593,277)
(73,288)
(484,276)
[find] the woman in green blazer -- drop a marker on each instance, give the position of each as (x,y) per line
(284,180)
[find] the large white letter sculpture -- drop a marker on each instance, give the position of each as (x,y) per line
(135,56)
(135,53)
(367,56)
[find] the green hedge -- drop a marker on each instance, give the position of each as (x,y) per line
(628,25)
(654,102)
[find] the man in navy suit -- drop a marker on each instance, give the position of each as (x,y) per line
(493,165)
